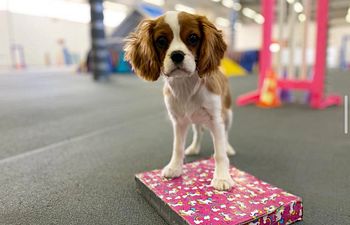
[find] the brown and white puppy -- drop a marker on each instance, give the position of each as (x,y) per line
(186,50)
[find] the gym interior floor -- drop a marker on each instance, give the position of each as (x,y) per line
(70,148)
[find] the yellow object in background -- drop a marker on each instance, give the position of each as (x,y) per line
(269,97)
(231,68)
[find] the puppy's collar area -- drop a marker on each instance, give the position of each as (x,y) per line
(184,87)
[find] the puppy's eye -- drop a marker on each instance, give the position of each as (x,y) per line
(193,39)
(162,42)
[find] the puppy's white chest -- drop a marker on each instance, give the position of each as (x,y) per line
(192,112)
(191,101)
(197,110)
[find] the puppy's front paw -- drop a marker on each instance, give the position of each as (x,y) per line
(222,184)
(171,171)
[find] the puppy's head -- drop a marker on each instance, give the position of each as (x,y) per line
(176,44)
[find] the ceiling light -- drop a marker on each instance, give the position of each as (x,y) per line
(347,18)
(249,13)
(298,7)
(114,13)
(222,22)
(216,0)
(113,18)
(259,19)
(290,1)
(155,2)
(3,5)
(237,6)
(275,47)
(301,17)
(70,11)
(228,3)
(184,8)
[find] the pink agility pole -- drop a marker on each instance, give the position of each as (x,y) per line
(316,85)
(265,54)
(318,100)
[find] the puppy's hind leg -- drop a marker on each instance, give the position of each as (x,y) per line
(228,124)
(194,148)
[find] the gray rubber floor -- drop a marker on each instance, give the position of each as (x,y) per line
(69,148)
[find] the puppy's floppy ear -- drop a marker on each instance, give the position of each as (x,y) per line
(212,47)
(140,51)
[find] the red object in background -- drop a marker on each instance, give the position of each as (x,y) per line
(269,97)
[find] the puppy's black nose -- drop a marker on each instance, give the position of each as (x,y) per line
(177,56)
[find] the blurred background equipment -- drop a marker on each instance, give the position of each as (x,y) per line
(99,51)
(289,77)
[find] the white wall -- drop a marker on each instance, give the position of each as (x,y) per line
(248,37)
(335,36)
(4,41)
(39,36)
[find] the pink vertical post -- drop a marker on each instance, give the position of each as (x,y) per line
(265,54)
(318,99)
(321,48)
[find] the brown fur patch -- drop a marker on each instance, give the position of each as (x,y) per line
(212,47)
(140,49)
(208,53)
(162,29)
(189,25)
(217,83)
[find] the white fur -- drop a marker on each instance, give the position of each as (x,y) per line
(191,103)
(188,66)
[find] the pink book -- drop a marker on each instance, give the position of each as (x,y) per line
(190,199)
